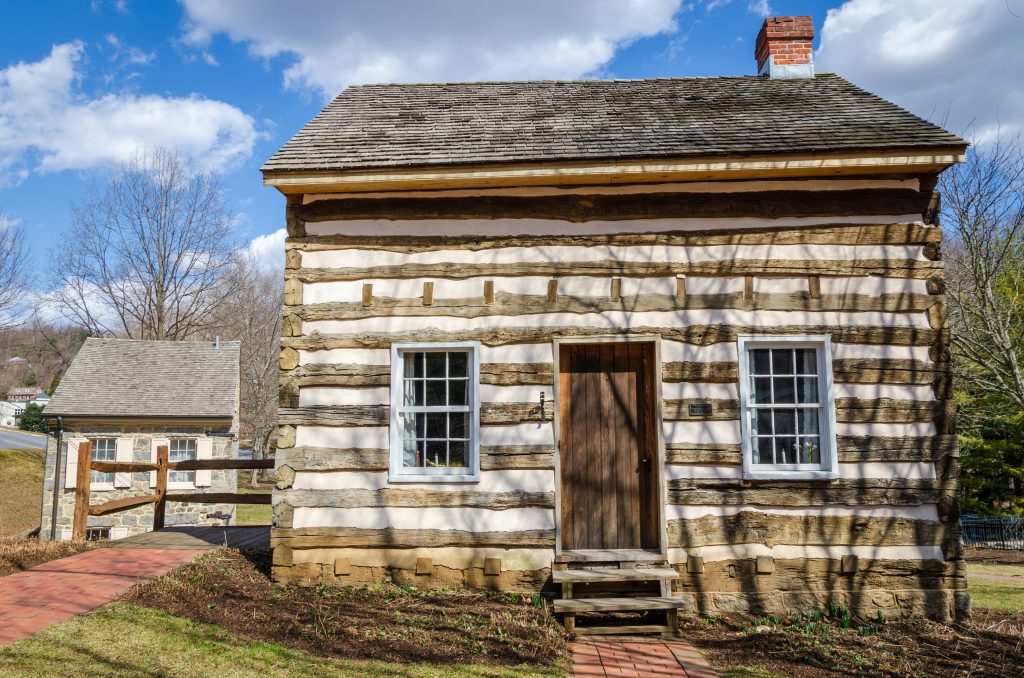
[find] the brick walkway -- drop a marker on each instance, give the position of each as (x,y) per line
(54,591)
(621,656)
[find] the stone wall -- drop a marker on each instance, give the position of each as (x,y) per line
(138,520)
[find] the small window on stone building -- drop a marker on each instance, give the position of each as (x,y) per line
(97,533)
(103,449)
(182,449)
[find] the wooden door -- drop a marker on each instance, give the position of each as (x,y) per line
(608,446)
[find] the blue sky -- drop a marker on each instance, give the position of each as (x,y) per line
(82,84)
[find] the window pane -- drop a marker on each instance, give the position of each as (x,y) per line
(457,454)
(785,422)
(413,364)
(759,361)
(762,389)
(407,425)
(437,453)
(782,361)
(807,389)
(809,421)
(783,389)
(421,426)
(412,392)
(436,364)
(436,389)
(437,425)
(806,361)
(810,452)
(411,457)
(459,423)
(458,364)
(763,422)
(458,392)
(763,451)
(785,450)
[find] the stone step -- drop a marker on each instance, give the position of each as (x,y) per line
(613,574)
(578,605)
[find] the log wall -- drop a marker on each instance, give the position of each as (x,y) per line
(694,264)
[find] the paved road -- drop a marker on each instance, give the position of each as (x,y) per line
(14,440)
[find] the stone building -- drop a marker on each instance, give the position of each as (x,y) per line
(128,398)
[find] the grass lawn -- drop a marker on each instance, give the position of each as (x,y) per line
(253,514)
(127,640)
(997,587)
(21,487)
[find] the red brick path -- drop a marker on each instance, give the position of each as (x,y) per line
(54,591)
(620,656)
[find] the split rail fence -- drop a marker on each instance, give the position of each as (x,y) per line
(86,464)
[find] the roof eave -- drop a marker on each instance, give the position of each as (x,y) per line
(924,160)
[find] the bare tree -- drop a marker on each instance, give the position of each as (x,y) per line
(13,271)
(147,253)
(983,208)
(251,313)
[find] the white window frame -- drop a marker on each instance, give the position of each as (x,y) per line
(396,472)
(191,475)
(828,469)
(99,485)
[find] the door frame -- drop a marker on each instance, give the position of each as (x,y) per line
(659,465)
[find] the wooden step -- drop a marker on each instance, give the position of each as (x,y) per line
(664,629)
(613,574)
(611,556)
(578,605)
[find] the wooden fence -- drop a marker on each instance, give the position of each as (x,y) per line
(86,464)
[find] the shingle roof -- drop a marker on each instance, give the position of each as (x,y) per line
(126,378)
(381,126)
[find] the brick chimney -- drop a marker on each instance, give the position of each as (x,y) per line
(783,47)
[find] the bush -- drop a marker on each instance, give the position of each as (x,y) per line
(32,419)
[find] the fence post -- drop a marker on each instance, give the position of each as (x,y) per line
(82,480)
(161,487)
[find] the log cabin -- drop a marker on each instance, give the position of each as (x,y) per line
(591,336)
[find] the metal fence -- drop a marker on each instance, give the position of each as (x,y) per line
(1005,532)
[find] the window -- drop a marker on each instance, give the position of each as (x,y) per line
(103,449)
(435,407)
(182,449)
(787,408)
(97,533)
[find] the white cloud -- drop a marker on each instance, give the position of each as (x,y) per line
(128,55)
(759,7)
(47,123)
(954,62)
(332,45)
(268,250)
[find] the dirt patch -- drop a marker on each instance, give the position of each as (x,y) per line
(383,622)
(18,555)
(998,556)
(991,646)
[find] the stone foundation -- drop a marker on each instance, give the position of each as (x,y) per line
(724,587)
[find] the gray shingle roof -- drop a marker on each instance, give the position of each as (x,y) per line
(380,126)
(126,378)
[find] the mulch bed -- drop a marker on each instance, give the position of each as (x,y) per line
(990,646)
(382,622)
(18,554)
(994,556)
